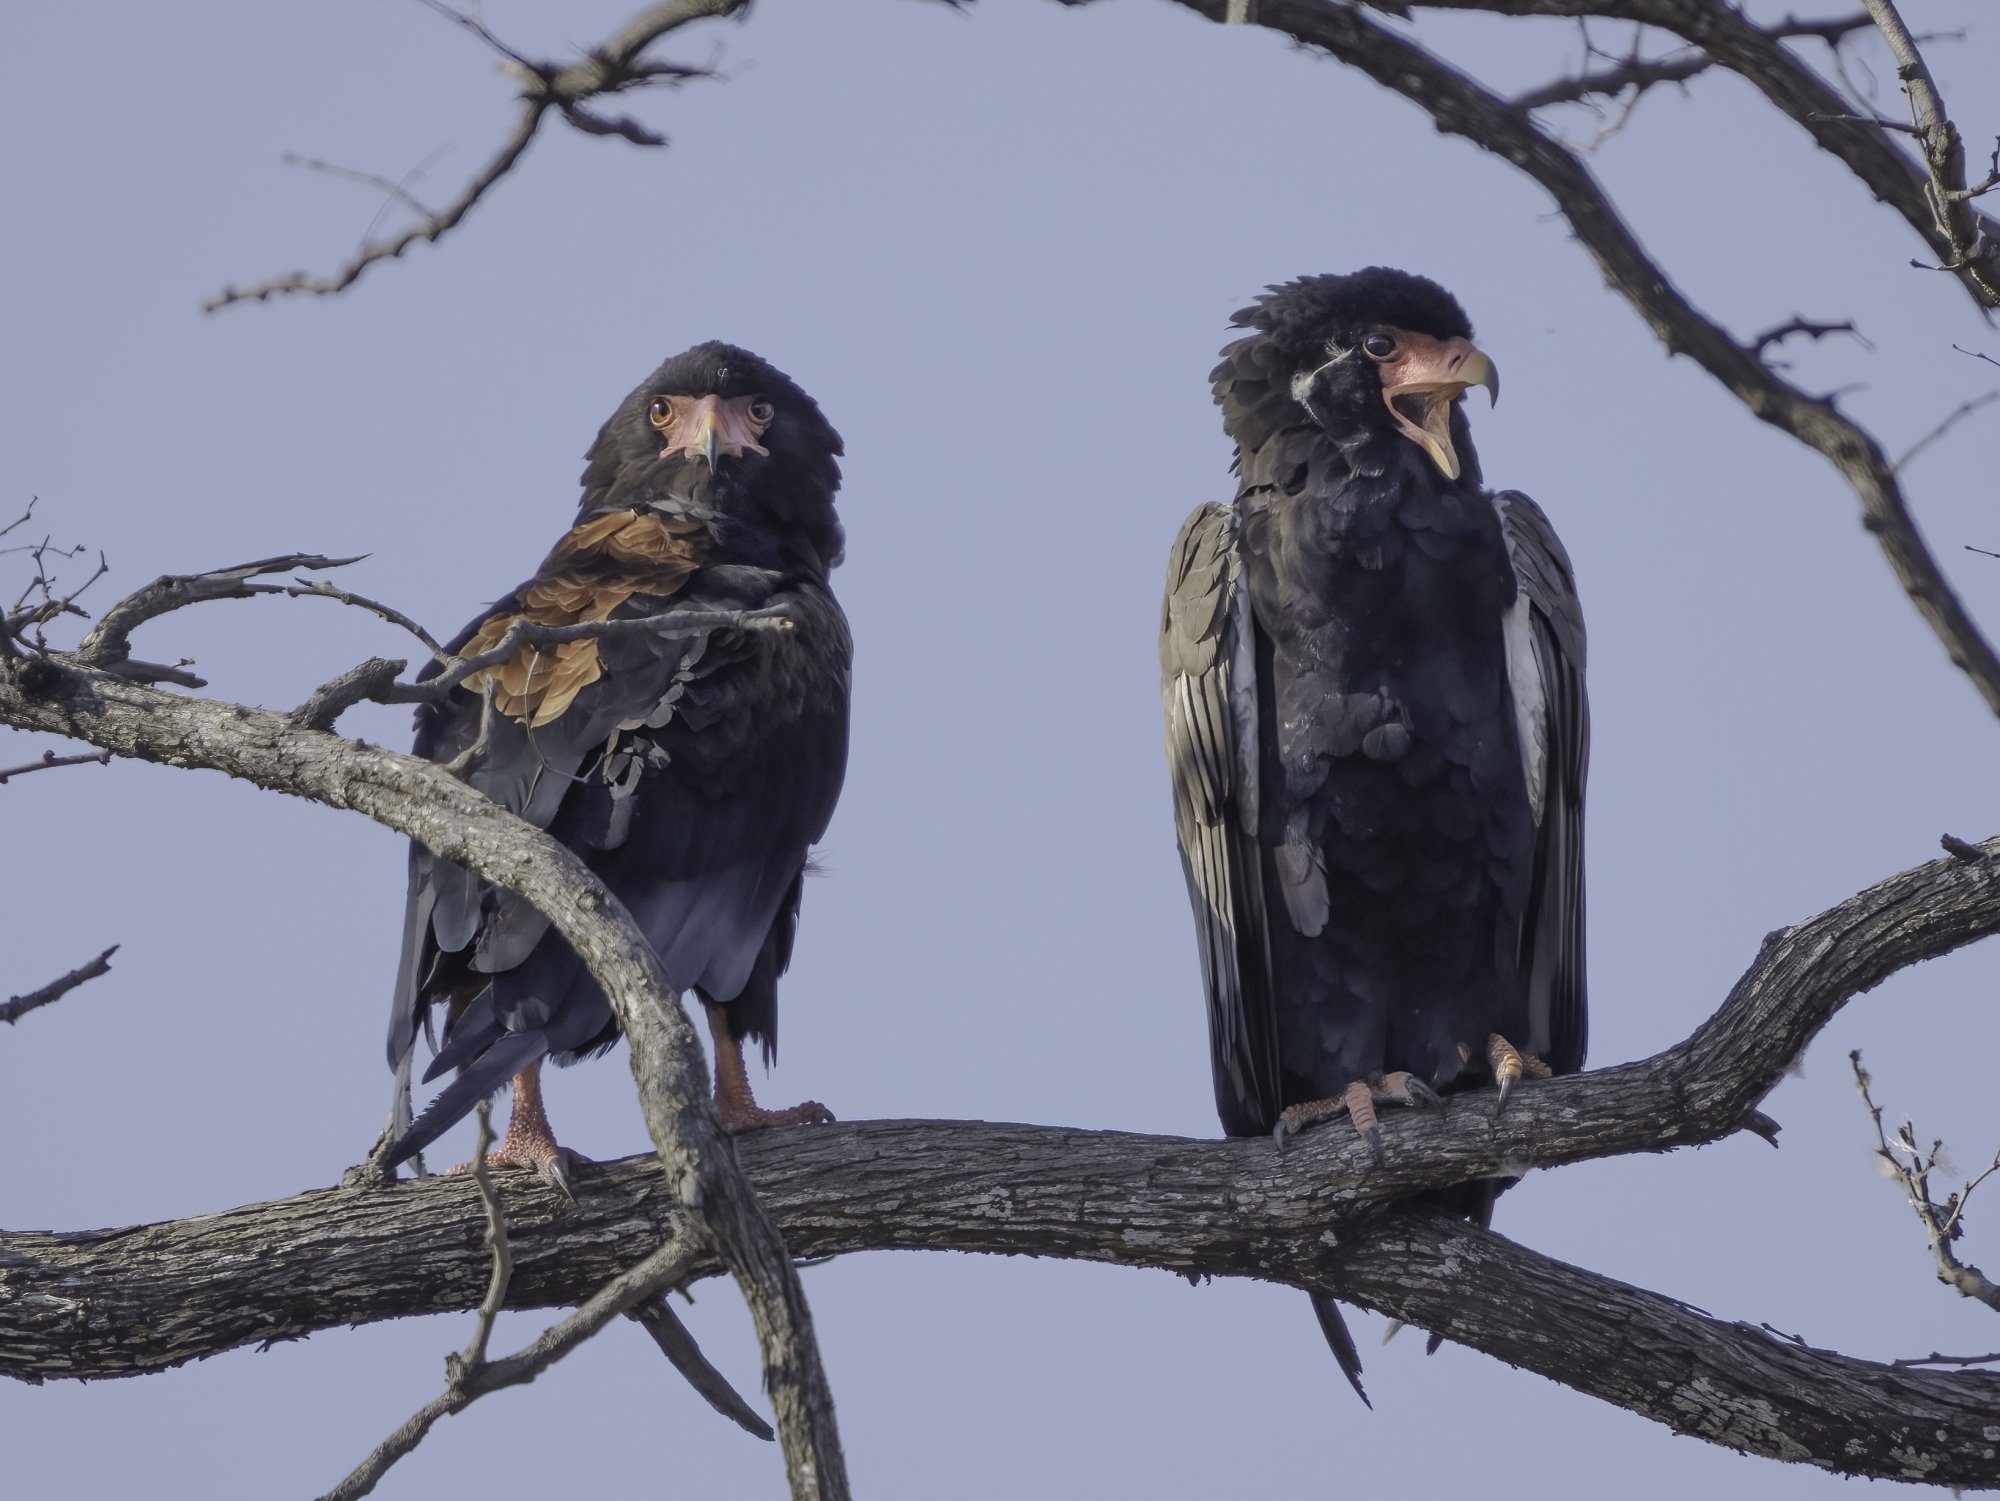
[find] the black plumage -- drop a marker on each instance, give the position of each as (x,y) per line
(1376,729)
(692,773)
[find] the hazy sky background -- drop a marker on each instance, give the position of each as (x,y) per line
(1001,249)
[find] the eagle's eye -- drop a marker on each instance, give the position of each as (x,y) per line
(660,412)
(761,411)
(1378,346)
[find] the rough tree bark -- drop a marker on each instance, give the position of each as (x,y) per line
(133,1300)
(127,1301)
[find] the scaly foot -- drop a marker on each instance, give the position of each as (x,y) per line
(735,1104)
(529,1141)
(1358,1102)
(1510,1065)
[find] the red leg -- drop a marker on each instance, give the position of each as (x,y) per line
(529,1141)
(734,1102)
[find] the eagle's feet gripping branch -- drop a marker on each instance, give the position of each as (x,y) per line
(1358,1102)
(530,1142)
(735,1105)
(1510,1065)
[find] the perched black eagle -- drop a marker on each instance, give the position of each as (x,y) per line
(1376,730)
(693,773)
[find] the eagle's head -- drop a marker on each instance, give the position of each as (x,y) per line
(718,431)
(1374,354)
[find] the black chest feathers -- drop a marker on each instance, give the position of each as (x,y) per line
(1395,821)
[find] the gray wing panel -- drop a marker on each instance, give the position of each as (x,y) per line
(1209,690)
(1546,656)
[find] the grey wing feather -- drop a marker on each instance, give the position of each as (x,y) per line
(1209,688)
(1546,652)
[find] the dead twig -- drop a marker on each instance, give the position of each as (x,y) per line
(1913,1362)
(20,1005)
(50,760)
(1957,415)
(1972,253)
(657,1272)
(1461,106)
(109,642)
(614,67)
(1911,1167)
(657,1317)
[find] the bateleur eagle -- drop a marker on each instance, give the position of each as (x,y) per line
(1372,668)
(691,772)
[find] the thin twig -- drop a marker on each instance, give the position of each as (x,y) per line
(657,1272)
(398,192)
(614,67)
(1796,326)
(50,760)
(1972,252)
(1912,1167)
(1912,1362)
(320,589)
(20,1005)
(1460,106)
(109,642)
(1957,415)
(474,1355)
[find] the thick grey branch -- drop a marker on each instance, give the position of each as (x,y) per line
(1216,1208)
(69,1304)
(426,803)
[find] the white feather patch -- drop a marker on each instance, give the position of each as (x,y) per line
(1531,701)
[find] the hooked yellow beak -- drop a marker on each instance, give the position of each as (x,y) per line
(1420,387)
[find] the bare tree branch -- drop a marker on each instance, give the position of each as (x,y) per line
(566,89)
(1460,106)
(1201,1209)
(426,803)
(661,1269)
(20,1005)
(1912,1166)
(657,1317)
(110,641)
(1970,250)
(1759,55)
(50,760)
(1222,1208)
(1952,418)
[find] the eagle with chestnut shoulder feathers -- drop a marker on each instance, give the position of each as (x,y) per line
(692,772)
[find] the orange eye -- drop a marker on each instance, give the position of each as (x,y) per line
(1378,346)
(761,411)
(661,411)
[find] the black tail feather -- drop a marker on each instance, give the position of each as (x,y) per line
(481,1077)
(1338,1340)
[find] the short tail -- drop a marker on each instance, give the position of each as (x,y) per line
(486,1073)
(1338,1340)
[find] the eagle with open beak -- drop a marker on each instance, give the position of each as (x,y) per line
(1372,668)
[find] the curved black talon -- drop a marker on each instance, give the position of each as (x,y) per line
(1506,1088)
(1373,1136)
(1424,1094)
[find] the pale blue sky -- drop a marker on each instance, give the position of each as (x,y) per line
(1001,249)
